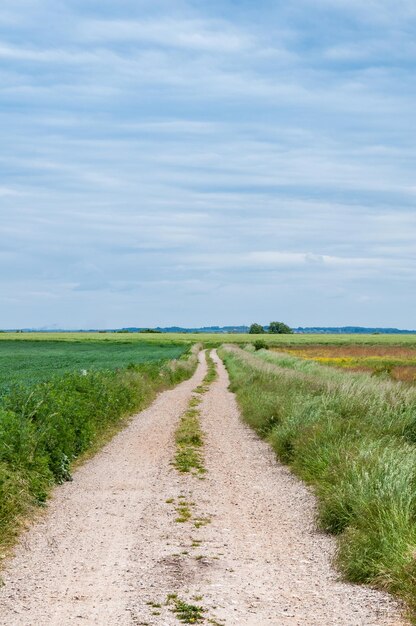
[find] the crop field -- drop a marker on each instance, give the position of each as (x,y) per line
(30,361)
(217,339)
(395,361)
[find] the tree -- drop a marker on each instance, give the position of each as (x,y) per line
(256,329)
(279,328)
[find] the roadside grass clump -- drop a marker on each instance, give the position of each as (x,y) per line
(44,428)
(352,437)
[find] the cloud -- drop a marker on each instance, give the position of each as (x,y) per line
(185,163)
(8,191)
(284,260)
(51,55)
(200,35)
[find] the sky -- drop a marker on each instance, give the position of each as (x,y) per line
(183,162)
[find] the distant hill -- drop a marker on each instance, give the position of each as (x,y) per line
(202,329)
(322,330)
(318,330)
(352,330)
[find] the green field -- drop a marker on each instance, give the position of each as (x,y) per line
(33,361)
(216,339)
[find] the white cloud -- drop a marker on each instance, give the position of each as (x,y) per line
(206,36)
(9,191)
(51,55)
(154,155)
(273,260)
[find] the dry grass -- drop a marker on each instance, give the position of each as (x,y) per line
(396,362)
(355,350)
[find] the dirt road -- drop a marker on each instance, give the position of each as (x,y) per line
(110,549)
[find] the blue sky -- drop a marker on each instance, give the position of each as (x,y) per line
(194,163)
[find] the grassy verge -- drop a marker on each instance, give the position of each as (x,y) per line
(353,438)
(45,427)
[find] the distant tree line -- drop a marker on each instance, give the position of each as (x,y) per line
(274,328)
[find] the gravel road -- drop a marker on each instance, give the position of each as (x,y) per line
(110,550)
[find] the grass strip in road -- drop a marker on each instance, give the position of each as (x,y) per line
(211,374)
(44,428)
(189,441)
(352,437)
(189,436)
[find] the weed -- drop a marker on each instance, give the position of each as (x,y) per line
(196,543)
(201,389)
(184,513)
(186,613)
(187,459)
(201,521)
(171,597)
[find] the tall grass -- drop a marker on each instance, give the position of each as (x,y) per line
(44,428)
(353,438)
